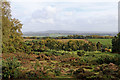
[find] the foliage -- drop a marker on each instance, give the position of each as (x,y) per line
(106,43)
(10,68)
(80,53)
(116,44)
(11,31)
(72,37)
(105,59)
(56,56)
(57,72)
(44,45)
(62,64)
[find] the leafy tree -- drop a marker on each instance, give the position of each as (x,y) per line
(11,31)
(5,25)
(116,43)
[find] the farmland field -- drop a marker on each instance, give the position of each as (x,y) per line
(106,42)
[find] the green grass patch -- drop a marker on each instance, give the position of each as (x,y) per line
(105,42)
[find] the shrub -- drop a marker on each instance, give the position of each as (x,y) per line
(105,59)
(117,60)
(54,52)
(80,53)
(12,49)
(37,53)
(57,72)
(48,54)
(10,68)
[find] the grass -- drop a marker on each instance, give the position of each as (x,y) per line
(106,42)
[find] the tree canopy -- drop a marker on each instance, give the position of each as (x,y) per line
(11,30)
(116,44)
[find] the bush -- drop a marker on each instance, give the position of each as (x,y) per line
(105,59)
(56,53)
(48,54)
(57,72)
(10,68)
(80,53)
(117,60)
(37,53)
(12,49)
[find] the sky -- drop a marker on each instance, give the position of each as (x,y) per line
(72,15)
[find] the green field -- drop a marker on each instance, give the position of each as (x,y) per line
(105,42)
(56,35)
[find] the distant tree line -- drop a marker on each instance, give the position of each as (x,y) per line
(73,37)
(85,37)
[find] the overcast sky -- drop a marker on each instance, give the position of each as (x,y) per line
(38,15)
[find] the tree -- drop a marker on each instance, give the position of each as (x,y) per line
(116,44)
(5,24)
(11,30)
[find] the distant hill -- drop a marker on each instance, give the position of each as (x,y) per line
(55,33)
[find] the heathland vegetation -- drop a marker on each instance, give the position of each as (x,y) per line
(73,56)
